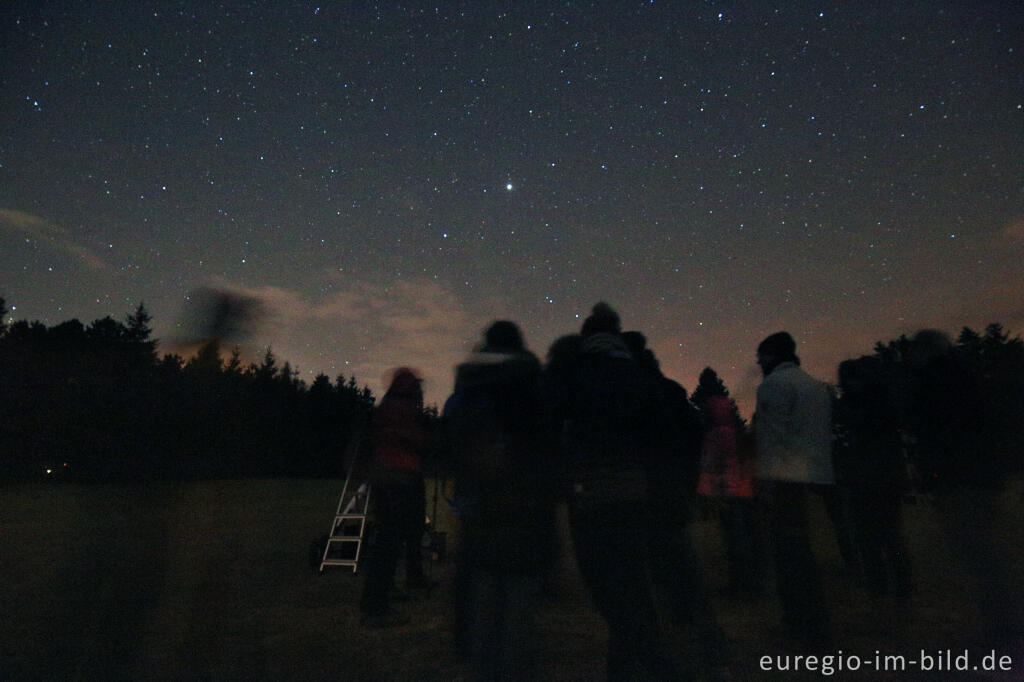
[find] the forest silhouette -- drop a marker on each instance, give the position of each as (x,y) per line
(99,402)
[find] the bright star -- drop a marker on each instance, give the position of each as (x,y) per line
(508,187)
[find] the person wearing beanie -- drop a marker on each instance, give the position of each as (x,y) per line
(777,348)
(793,432)
(794,417)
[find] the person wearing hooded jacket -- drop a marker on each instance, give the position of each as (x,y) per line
(505,502)
(399,437)
(673,468)
(609,410)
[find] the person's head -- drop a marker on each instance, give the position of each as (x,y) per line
(603,320)
(565,348)
(775,350)
(405,384)
(503,336)
(929,346)
(636,342)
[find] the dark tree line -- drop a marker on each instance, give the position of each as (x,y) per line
(97,402)
(958,405)
(973,400)
(967,405)
(984,380)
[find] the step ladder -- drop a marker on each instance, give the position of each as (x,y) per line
(345,541)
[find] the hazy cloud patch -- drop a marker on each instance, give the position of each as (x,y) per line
(59,238)
(364,330)
(1013,234)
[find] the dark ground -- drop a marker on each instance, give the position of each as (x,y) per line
(211,580)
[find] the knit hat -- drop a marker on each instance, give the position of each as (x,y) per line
(504,335)
(603,319)
(405,382)
(780,345)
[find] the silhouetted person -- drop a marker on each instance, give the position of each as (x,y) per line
(946,416)
(794,452)
(609,409)
(673,466)
(505,501)
(727,476)
(399,497)
(959,464)
(875,472)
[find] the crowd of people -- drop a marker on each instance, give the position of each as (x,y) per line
(597,426)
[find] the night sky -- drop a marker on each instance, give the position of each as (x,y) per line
(386,180)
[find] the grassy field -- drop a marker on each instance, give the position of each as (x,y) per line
(211,580)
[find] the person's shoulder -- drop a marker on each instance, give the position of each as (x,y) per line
(526,360)
(671,386)
(496,368)
(800,374)
(784,380)
(792,373)
(777,377)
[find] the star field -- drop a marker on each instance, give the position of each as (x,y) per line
(388,179)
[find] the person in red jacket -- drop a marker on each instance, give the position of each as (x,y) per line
(727,474)
(399,438)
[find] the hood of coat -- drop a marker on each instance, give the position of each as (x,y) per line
(405,385)
(610,345)
(484,367)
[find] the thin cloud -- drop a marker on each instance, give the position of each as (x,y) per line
(59,238)
(1013,234)
(365,330)
(424,326)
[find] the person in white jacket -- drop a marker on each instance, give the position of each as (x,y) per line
(793,431)
(794,421)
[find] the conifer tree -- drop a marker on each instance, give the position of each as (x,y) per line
(234,364)
(137,333)
(207,360)
(137,324)
(267,369)
(709,384)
